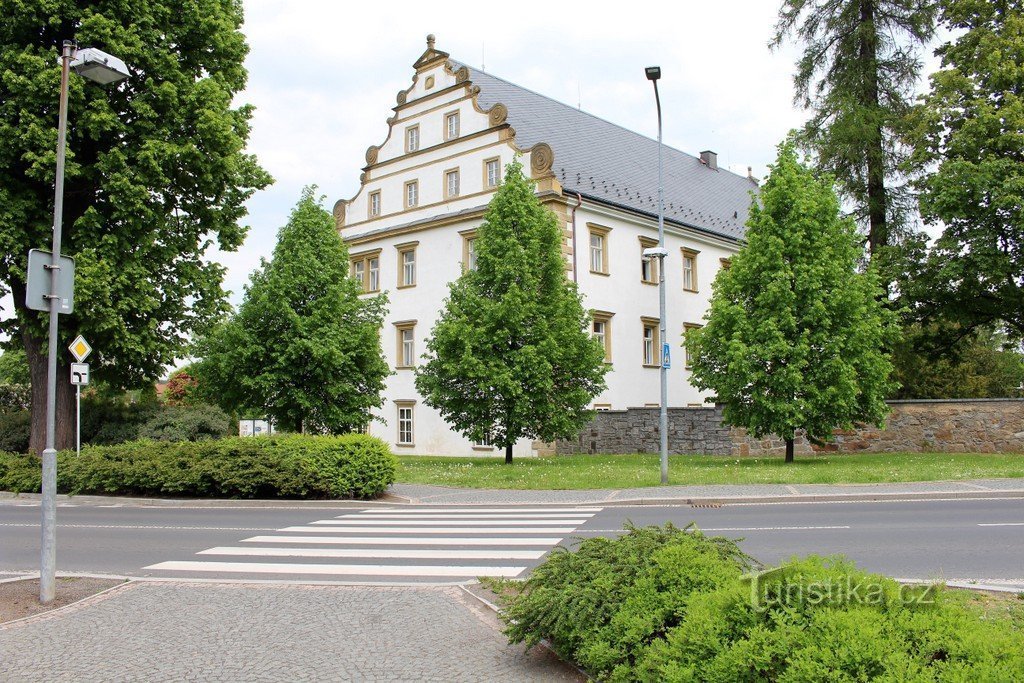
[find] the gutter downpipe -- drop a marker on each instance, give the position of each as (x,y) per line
(575,270)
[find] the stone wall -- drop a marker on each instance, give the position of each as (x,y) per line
(961,426)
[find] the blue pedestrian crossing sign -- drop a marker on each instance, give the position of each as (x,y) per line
(666,356)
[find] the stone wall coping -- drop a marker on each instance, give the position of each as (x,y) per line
(911,401)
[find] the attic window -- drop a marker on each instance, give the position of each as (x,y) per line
(430,83)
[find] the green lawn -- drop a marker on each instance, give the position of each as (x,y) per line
(630,471)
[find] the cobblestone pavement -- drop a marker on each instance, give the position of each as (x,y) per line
(234,632)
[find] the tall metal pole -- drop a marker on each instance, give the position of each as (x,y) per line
(663,412)
(48,559)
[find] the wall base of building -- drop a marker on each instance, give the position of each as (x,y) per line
(944,426)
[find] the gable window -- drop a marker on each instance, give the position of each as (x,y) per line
(690,270)
(686,347)
(648,266)
(405,355)
(492,173)
(601,329)
(374,203)
(412,194)
(406,264)
(451,183)
(405,422)
(598,249)
(366,270)
(451,125)
(412,138)
(651,351)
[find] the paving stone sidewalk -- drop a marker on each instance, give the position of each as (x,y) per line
(233,632)
(425,494)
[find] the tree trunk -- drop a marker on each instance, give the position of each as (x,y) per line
(508,454)
(64,434)
(878,229)
(789,450)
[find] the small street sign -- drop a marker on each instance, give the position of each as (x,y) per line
(80,348)
(79,373)
(38,284)
(666,357)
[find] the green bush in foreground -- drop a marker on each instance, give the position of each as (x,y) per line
(350,466)
(665,605)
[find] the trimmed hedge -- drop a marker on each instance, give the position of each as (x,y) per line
(660,604)
(293,466)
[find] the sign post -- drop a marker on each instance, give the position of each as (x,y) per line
(80,349)
(79,376)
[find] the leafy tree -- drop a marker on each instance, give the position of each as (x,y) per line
(303,349)
(969,132)
(857,73)
(181,388)
(794,334)
(509,356)
(981,365)
(156,174)
(14,367)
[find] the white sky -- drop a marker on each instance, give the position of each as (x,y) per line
(323,77)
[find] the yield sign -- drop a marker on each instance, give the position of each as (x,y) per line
(80,348)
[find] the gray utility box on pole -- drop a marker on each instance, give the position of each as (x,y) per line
(37,289)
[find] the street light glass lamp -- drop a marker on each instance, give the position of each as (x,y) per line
(653,73)
(98,66)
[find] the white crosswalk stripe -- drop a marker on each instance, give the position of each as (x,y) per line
(410,544)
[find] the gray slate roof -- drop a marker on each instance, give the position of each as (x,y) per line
(608,163)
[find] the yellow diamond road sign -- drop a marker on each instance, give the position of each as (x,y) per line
(80,348)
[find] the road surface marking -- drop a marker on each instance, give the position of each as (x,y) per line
(472,511)
(462,522)
(405,540)
(426,530)
(380,553)
(528,515)
(337,569)
(1003,524)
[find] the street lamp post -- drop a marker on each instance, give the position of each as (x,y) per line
(653,74)
(102,68)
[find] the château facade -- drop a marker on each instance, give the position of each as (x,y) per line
(410,230)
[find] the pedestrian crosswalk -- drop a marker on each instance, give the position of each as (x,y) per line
(392,544)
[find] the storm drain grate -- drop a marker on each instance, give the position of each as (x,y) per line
(705,504)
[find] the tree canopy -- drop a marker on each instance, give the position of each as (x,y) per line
(156,174)
(795,335)
(858,70)
(968,138)
(510,356)
(304,348)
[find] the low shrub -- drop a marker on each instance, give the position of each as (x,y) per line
(15,431)
(663,605)
(351,466)
(180,423)
(604,603)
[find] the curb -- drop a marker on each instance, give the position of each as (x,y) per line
(386,499)
(396,499)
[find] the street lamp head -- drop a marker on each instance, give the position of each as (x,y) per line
(98,66)
(653,73)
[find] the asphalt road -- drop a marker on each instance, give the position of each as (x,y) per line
(979,539)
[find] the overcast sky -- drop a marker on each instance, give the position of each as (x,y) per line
(323,77)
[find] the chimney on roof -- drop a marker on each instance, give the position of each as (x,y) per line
(709,159)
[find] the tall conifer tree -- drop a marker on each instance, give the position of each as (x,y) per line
(857,74)
(510,356)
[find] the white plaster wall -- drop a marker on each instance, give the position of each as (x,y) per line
(438,263)
(622,292)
